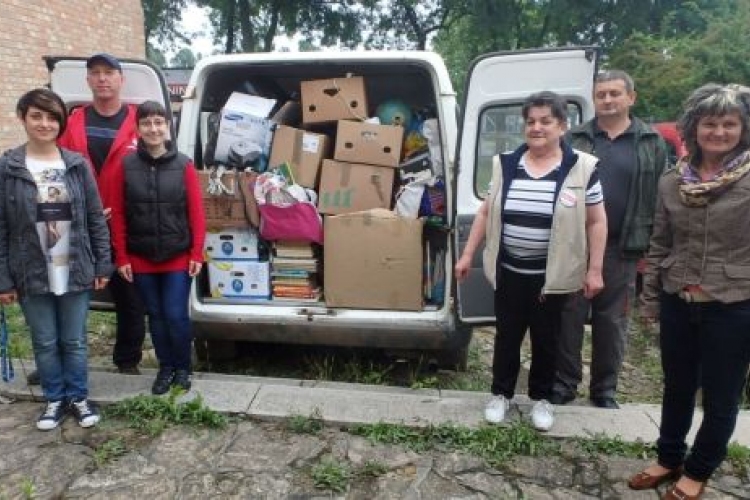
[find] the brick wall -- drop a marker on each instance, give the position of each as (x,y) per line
(30,29)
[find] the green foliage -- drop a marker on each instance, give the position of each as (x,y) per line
(28,488)
(495,444)
(183,59)
(153,414)
(301,424)
(372,468)
(109,450)
(739,456)
(601,444)
(331,475)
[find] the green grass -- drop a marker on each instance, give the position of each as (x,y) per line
(739,456)
(301,424)
(153,414)
(601,444)
(330,474)
(495,444)
(109,450)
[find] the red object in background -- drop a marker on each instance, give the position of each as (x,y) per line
(668,130)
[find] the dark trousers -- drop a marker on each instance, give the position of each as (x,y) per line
(704,345)
(609,328)
(519,306)
(166,298)
(131,323)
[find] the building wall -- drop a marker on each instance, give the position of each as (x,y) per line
(31,29)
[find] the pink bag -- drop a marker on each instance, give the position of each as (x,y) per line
(297,221)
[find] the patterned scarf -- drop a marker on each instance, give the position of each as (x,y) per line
(695,192)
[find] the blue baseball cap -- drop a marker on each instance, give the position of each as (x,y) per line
(105,58)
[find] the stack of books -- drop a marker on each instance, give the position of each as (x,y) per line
(294,272)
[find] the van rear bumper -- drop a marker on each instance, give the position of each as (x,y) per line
(427,335)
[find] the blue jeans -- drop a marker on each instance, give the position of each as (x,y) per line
(165,296)
(58,335)
(704,345)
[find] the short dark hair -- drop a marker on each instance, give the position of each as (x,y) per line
(46,100)
(150,108)
(554,102)
(609,75)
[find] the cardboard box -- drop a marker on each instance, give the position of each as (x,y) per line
(231,244)
(333,99)
(244,129)
(373,260)
(239,278)
(361,142)
(304,151)
(352,187)
(229,207)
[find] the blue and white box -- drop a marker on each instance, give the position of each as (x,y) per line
(231,244)
(249,279)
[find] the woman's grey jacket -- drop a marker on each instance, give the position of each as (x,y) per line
(23,266)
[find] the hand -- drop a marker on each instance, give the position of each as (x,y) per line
(100,282)
(462,268)
(592,284)
(8,298)
(194,268)
(126,272)
(107,213)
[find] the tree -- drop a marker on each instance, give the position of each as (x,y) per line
(183,59)
(156,56)
(161,22)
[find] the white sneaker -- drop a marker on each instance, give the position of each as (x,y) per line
(494,412)
(542,415)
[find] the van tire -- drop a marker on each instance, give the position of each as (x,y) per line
(208,351)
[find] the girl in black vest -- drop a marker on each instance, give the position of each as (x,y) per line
(158,230)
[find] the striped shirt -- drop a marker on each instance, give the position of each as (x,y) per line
(527,218)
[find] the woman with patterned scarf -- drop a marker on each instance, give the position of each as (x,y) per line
(697,282)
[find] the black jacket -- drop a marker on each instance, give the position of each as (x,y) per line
(156,205)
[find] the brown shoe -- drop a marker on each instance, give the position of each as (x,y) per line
(645,481)
(675,493)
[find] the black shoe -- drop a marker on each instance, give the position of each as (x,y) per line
(33,378)
(608,403)
(561,398)
(52,416)
(163,381)
(85,412)
(128,369)
(182,380)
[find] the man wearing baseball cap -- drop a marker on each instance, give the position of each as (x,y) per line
(105,132)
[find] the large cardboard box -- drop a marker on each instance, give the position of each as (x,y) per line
(244,129)
(373,260)
(233,203)
(239,278)
(304,151)
(333,99)
(352,187)
(371,143)
(237,243)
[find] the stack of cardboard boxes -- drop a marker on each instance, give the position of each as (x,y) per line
(371,257)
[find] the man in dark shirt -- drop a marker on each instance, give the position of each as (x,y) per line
(632,157)
(105,132)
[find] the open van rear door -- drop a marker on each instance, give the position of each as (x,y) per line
(143,81)
(491,122)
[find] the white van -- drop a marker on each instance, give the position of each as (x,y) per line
(488,121)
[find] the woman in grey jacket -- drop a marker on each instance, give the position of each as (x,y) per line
(54,248)
(697,282)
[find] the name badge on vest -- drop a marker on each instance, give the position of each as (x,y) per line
(568,198)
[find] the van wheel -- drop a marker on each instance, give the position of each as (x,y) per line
(208,351)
